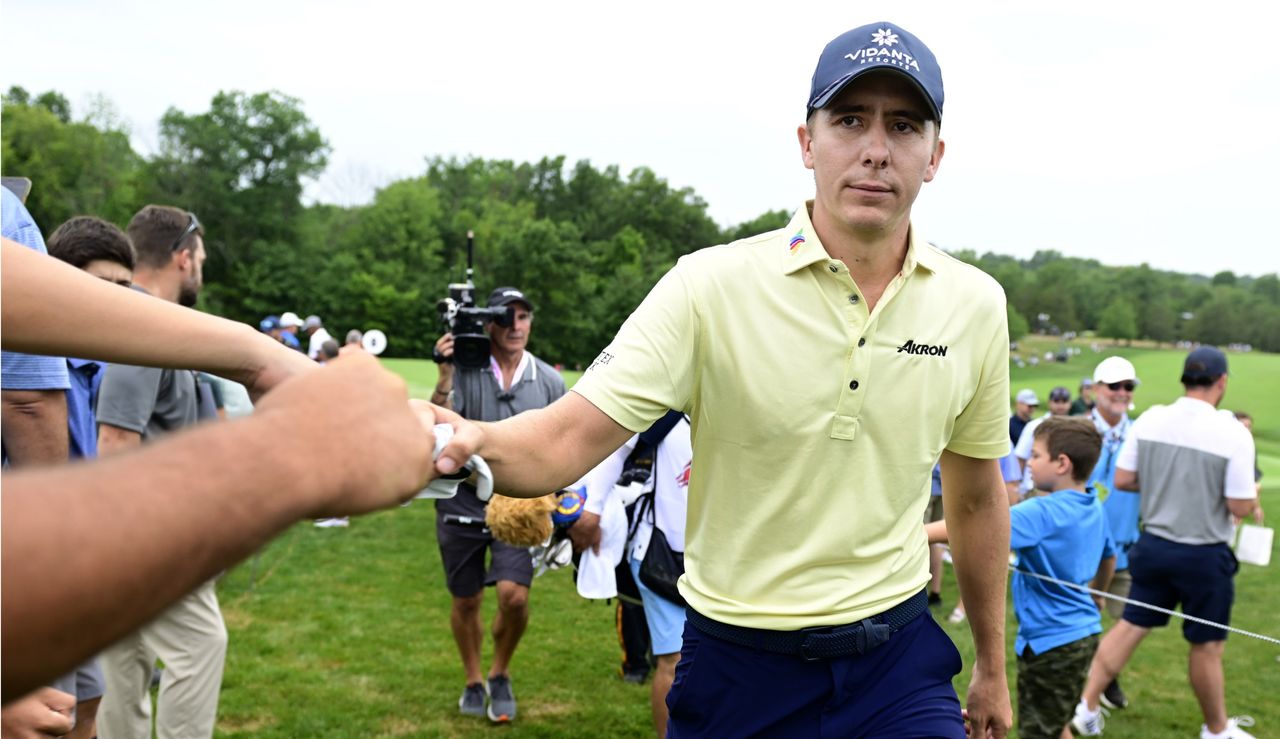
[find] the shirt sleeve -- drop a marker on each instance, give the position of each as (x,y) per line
(1240,481)
(1009,470)
(1108,544)
(20,371)
(127,396)
(648,368)
(1028,523)
(1127,458)
(981,430)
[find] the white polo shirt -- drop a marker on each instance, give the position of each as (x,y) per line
(1190,457)
(815,422)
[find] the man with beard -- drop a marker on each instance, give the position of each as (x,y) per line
(137,405)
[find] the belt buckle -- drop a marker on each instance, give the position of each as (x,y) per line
(820,631)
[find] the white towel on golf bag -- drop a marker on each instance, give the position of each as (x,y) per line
(595,572)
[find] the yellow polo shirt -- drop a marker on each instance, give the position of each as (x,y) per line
(815,424)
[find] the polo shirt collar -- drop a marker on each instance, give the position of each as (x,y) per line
(804,249)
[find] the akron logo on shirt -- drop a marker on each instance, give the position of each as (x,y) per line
(932,350)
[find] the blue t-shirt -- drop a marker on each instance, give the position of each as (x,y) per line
(1122,507)
(86,375)
(27,371)
(1062,535)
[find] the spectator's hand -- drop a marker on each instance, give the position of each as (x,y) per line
(585,532)
(43,713)
(988,713)
(356,418)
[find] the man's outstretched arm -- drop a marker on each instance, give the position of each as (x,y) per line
(98,320)
(153,523)
(538,451)
(977,514)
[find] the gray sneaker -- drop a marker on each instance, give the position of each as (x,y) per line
(502,702)
(472,701)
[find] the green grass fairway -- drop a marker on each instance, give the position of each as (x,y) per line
(345,632)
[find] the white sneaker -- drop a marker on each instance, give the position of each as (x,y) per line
(1233,730)
(1089,723)
(331,523)
(957,616)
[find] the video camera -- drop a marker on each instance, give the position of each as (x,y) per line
(463,319)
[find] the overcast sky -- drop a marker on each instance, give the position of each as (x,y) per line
(1123,131)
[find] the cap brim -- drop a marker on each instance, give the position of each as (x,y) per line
(835,88)
(508,301)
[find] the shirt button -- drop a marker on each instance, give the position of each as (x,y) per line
(853,385)
(862,341)
(853,298)
(833,268)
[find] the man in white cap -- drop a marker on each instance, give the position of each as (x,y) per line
(1024,406)
(318,335)
(1114,381)
(289,325)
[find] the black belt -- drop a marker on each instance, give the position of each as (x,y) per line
(819,642)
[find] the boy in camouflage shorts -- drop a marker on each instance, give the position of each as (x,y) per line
(1063,535)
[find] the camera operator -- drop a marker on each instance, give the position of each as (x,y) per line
(513,381)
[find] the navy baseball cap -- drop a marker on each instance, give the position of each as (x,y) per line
(269,323)
(504,296)
(1205,363)
(872,47)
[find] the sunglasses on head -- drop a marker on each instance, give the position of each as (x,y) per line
(1126,386)
(192,226)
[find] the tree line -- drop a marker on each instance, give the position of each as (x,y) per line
(586,242)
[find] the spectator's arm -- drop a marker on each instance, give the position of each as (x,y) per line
(141,521)
(33,424)
(98,320)
(113,439)
(1102,579)
(1126,479)
(1244,508)
(936,531)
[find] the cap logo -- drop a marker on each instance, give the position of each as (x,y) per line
(885,37)
(882,54)
(797,240)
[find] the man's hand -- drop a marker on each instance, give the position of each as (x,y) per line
(356,417)
(444,349)
(43,713)
(585,532)
(988,711)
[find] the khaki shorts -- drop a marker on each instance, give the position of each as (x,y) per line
(1120,583)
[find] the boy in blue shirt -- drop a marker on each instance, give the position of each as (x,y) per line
(1062,535)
